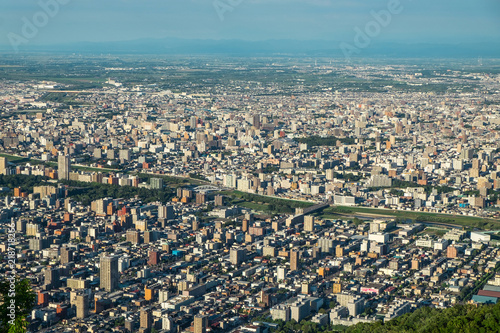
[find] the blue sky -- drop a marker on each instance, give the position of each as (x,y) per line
(434,21)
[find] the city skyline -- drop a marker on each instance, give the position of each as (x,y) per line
(250,166)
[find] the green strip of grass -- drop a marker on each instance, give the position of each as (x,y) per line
(14,158)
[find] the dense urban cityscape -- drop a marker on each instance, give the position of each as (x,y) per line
(248,195)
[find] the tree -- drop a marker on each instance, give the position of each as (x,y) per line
(22,300)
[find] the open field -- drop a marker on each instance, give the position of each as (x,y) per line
(434,232)
(14,158)
(265,204)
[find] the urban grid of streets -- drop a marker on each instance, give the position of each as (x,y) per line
(225,205)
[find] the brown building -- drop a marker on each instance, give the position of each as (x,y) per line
(154,258)
(150,236)
(244,225)
(339,251)
(43,298)
(337,288)
(451,252)
(200,324)
(110,210)
(294,260)
(309,223)
(66,255)
(219,200)
(201,198)
(133,236)
(257,231)
(82,305)
(146,319)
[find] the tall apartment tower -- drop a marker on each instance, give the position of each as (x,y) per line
(3,165)
(66,255)
(109,273)
(309,223)
(63,167)
(200,324)
(244,225)
(256,120)
(52,277)
(146,319)
(82,305)
(166,212)
(294,260)
(219,200)
(237,256)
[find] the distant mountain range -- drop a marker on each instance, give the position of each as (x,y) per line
(176,46)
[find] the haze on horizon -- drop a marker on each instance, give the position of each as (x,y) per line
(424,21)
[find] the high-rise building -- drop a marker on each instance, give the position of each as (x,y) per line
(219,200)
(237,256)
(130,325)
(309,223)
(451,252)
(3,165)
(294,260)
(32,229)
(193,121)
(339,251)
(150,236)
(63,167)
(43,298)
(100,206)
(281,273)
(146,318)
(166,212)
(156,183)
(168,323)
(66,255)
(154,258)
(244,225)
(256,120)
(52,277)
(201,198)
(133,236)
(200,324)
(82,305)
(124,154)
(109,273)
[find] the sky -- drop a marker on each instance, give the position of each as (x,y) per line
(417,21)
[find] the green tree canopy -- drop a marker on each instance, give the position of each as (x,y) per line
(22,301)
